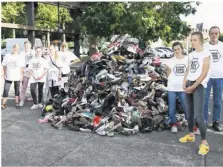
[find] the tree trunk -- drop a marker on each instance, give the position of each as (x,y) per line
(93,42)
(13,30)
(13,33)
(48,39)
(64,35)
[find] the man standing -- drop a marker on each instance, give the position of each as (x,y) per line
(28,54)
(216,78)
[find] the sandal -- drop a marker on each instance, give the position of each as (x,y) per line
(17,106)
(4,106)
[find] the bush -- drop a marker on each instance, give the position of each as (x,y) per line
(221,38)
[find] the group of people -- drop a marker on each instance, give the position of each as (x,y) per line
(36,68)
(191,78)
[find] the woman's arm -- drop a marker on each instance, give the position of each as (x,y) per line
(206,66)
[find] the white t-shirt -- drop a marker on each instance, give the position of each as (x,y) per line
(178,69)
(53,72)
(217,59)
(66,58)
(38,65)
(28,56)
(13,64)
(196,60)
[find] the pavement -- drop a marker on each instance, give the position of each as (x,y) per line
(27,143)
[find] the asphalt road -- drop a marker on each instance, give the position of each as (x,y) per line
(27,143)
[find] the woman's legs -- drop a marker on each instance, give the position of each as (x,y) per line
(40,92)
(54,90)
(172,107)
(7,86)
(198,111)
(33,92)
(181,96)
(23,89)
(16,88)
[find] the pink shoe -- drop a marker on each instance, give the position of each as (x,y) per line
(45,120)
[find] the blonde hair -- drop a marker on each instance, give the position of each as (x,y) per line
(54,54)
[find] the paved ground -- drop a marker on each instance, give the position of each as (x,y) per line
(26,143)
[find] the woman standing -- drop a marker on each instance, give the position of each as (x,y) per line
(176,69)
(13,67)
(38,68)
(54,72)
(67,58)
(195,81)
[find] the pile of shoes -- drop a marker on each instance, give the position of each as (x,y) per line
(122,90)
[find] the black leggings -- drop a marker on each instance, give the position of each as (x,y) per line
(40,91)
(7,86)
(54,90)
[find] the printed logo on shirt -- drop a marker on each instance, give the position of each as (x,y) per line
(36,65)
(194,65)
(64,58)
(13,64)
(215,55)
(28,57)
(179,69)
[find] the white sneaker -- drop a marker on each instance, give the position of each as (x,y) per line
(35,106)
(174,129)
(21,103)
(40,105)
(197,132)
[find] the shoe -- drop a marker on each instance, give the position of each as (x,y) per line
(216,126)
(174,129)
(35,106)
(17,106)
(197,132)
(21,103)
(40,105)
(203,149)
(187,139)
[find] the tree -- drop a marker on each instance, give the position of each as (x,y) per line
(221,38)
(13,12)
(146,20)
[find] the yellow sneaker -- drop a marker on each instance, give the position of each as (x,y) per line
(203,149)
(187,139)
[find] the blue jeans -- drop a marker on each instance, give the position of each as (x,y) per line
(172,99)
(217,85)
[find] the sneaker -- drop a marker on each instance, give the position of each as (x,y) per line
(40,105)
(174,129)
(21,103)
(197,132)
(187,139)
(216,126)
(35,106)
(203,149)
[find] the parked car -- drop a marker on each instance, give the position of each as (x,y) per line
(8,44)
(165,52)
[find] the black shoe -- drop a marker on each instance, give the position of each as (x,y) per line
(216,126)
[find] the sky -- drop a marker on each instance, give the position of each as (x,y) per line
(210,13)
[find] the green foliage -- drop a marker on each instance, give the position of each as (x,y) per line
(47,16)
(146,20)
(13,12)
(221,38)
